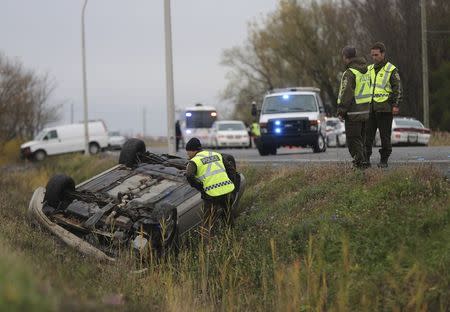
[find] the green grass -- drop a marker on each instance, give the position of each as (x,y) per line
(314,238)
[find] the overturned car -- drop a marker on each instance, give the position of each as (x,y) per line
(144,204)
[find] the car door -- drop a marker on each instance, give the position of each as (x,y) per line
(51,143)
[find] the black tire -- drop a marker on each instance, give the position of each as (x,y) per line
(319,146)
(39,155)
(94,148)
(263,151)
(273,150)
(57,188)
(338,142)
(130,152)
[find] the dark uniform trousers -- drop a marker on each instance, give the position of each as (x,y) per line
(355,135)
(382,121)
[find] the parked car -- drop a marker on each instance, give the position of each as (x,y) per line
(406,131)
(229,133)
(65,139)
(335,132)
(116,141)
(291,117)
(143,204)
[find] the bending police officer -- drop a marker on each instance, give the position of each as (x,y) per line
(209,174)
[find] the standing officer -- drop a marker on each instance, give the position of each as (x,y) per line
(255,131)
(387,94)
(208,173)
(353,104)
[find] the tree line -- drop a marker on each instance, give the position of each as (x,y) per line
(300,42)
(25,106)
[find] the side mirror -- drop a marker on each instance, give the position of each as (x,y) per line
(254,110)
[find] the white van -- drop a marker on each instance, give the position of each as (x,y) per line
(65,139)
(291,117)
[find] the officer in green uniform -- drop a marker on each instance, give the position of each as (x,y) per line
(209,173)
(387,94)
(256,131)
(353,104)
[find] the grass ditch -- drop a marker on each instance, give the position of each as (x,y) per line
(322,238)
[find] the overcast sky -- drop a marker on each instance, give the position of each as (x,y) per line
(125,52)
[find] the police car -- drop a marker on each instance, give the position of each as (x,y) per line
(291,117)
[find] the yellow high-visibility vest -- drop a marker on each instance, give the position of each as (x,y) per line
(211,172)
(362,93)
(380,82)
(256,131)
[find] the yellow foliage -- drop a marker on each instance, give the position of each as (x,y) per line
(10,151)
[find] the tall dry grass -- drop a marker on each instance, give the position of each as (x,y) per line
(316,238)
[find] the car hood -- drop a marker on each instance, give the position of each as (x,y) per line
(29,144)
(310,115)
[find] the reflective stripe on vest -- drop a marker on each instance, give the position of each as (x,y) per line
(381,86)
(363,91)
(211,172)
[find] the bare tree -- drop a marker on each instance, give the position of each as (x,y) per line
(24,101)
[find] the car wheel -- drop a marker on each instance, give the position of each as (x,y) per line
(129,155)
(94,148)
(39,155)
(263,151)
(338,142)
(57,188)
(320,145)
(273,150)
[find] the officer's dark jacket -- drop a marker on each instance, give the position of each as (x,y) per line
(348,90)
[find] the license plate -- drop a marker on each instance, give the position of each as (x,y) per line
(412,138)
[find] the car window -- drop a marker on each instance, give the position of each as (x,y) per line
(52,134)
(288,103)
(231,126)
(114,133)
(408,123)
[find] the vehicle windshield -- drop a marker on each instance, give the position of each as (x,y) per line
(40,135)
(408,123)
(200,119)
(289,103)
(114,133)
(231,126)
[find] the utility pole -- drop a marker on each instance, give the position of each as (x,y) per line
(144,125)
(426,105)
(85,99)
(169,79)
(71,113)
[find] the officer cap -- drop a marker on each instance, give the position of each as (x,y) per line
(193,145)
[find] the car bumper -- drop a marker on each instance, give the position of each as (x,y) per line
(233,143)
(303,139)
(410,138)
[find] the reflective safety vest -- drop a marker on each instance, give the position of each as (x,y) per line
(381,85)
(211,172)
(362,93)
(256,131)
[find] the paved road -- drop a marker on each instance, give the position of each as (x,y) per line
(439,157)
(440,154)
